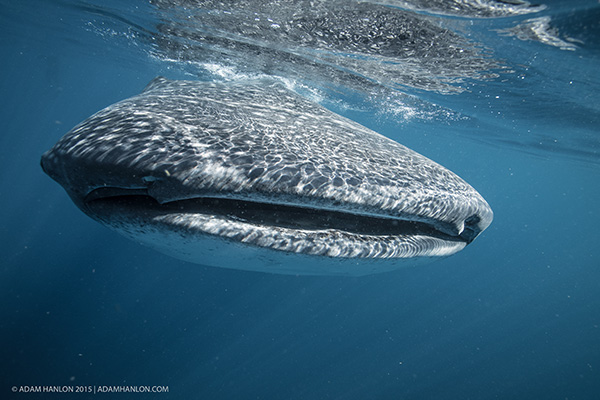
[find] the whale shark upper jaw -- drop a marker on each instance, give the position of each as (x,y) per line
(104,202)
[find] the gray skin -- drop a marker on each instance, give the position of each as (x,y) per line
(253,176)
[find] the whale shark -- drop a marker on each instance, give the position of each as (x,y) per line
(250,175)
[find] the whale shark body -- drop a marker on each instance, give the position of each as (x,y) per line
(253,176)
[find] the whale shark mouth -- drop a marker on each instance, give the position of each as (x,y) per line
(106,202)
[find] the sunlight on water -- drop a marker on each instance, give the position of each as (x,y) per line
(402,60)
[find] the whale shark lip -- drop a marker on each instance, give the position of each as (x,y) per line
(104,202)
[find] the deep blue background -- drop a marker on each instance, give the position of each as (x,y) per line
(515,315)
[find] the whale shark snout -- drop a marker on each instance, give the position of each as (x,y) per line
(253,176)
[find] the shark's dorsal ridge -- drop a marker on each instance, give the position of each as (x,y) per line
(158,82)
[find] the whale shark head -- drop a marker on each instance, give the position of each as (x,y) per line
(253,176)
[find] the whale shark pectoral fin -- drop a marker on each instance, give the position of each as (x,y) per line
(158,82)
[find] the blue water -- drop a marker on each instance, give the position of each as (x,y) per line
(515,315)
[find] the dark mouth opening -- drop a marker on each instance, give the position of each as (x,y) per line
(271,214)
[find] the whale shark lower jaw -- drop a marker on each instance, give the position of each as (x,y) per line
(283,239)
(252,176)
